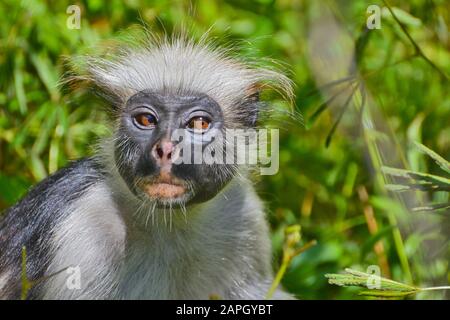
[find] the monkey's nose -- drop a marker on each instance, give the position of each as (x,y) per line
(163,152)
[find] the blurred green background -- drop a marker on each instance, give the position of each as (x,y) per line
(330,180)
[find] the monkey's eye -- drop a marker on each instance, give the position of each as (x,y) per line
(145,120)
(199,124)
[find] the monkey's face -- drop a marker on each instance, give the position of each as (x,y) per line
(158,144)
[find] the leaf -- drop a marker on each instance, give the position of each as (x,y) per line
(47,73)
(19,88)
(387,287)
(45,129)
(441,162)
(397,187)
(32,119)
(425,181)
(403,16)
(37,168)
(433,207)
(386,284)
(414,155)
(386,294)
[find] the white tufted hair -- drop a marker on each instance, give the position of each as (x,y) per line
(181,65)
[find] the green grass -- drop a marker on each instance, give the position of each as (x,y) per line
(358,119)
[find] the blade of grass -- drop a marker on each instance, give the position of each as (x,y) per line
(440,161)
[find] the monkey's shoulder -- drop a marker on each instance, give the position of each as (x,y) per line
(30,223)
(62,186)
(45,202)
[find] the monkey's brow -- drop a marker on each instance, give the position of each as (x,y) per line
(161,98)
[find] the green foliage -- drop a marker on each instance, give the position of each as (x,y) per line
(423,181)
(360,117)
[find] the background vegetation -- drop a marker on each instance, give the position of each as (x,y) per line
(394,91)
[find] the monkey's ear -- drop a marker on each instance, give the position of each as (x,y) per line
(113,100)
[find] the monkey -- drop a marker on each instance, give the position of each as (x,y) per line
(134,222)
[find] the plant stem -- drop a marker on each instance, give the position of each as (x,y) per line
(435,288)
(278,277)
(288,255)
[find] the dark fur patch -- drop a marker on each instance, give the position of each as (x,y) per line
(30,223)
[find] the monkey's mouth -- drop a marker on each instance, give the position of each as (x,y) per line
(165,188)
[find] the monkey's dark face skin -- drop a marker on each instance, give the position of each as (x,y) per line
(145,151)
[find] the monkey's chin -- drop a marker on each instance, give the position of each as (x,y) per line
(165,190)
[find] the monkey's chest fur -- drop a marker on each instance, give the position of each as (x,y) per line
(208,253)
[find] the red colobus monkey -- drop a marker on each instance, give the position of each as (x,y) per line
(137,224)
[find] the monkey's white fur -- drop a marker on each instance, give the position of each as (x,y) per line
(210,252)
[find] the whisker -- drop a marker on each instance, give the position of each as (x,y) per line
(183,211)
(170,217)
